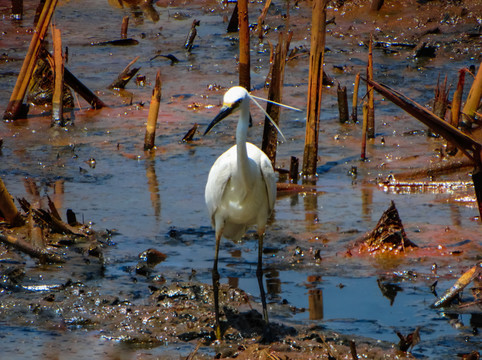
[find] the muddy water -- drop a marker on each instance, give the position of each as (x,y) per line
(156,201)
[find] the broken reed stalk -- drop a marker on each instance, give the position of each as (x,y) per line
(192,35)
(314,87)
(20,244)
(261,18)
(457,99)
(244,57)
(364,131)
(124,27)
(14,107)
(270,134)
(371,94)
(153,113)
(473,100)
(75,84)
(354,109)
(8,208)
(440,102)
(342,104)
(459,285)
(17,9)
(125,76)
(58,68)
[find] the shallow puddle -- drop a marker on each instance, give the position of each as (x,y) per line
(157,200)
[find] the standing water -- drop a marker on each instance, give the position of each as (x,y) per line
(156,200)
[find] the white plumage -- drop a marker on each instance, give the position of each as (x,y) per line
(241,189)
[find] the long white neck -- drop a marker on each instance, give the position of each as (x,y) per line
(241,136)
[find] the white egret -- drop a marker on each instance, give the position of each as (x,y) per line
(240,191)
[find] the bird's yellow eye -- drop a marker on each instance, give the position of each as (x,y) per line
(234,105)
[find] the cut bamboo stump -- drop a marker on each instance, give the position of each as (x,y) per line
(57,99)
(371,94)
(14,107)
(244,56)
(314,87)
(342,104)
(124,27)
(149,140)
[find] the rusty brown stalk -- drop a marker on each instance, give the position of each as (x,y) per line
(244,57)
(318,34)
(58,68)
(153,113)
(371,94)
(14,107)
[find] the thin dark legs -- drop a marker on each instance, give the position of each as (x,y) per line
(259,275)
(217,328)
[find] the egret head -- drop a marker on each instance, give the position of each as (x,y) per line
(231,102)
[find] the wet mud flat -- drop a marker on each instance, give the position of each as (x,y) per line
(106,302)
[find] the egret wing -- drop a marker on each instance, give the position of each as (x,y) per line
(270,180)
(218,178)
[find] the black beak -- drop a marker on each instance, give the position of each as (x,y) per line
(224,112)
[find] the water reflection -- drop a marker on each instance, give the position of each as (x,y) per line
(138,8)
(153,186)
(273,282)
(310,201)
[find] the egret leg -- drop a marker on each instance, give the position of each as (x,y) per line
(217,327)
(259,275)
